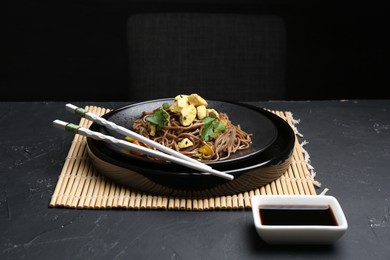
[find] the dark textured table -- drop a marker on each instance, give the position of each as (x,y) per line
(349,147)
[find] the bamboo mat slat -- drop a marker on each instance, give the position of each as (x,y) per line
(80,186)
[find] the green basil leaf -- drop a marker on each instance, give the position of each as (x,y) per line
(211,129)
(207,132)
(218,126)
(157,118)
(209,119)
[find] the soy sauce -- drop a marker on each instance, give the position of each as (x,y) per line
(297,215)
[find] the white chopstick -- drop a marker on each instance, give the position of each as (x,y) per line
(127,132)
(137,148)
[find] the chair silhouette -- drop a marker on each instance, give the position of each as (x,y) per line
(238,57)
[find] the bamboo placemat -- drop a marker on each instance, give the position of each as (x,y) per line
(80,186)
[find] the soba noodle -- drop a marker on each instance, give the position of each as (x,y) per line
(218,148)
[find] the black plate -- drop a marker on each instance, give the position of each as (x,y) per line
(180,177)
(263,130)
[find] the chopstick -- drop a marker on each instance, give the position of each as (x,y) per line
(127,132)
(170,154)
(137,148)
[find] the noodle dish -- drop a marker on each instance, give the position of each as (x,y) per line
(190,126)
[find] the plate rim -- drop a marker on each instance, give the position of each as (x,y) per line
(212,163)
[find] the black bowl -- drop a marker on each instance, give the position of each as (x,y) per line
(273,152)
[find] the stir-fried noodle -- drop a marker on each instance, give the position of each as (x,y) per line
(221,147)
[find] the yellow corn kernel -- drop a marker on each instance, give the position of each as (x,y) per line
(206,150)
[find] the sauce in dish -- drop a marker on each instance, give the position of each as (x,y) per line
(295,215)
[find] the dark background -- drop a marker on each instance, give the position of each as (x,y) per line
(76,50)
